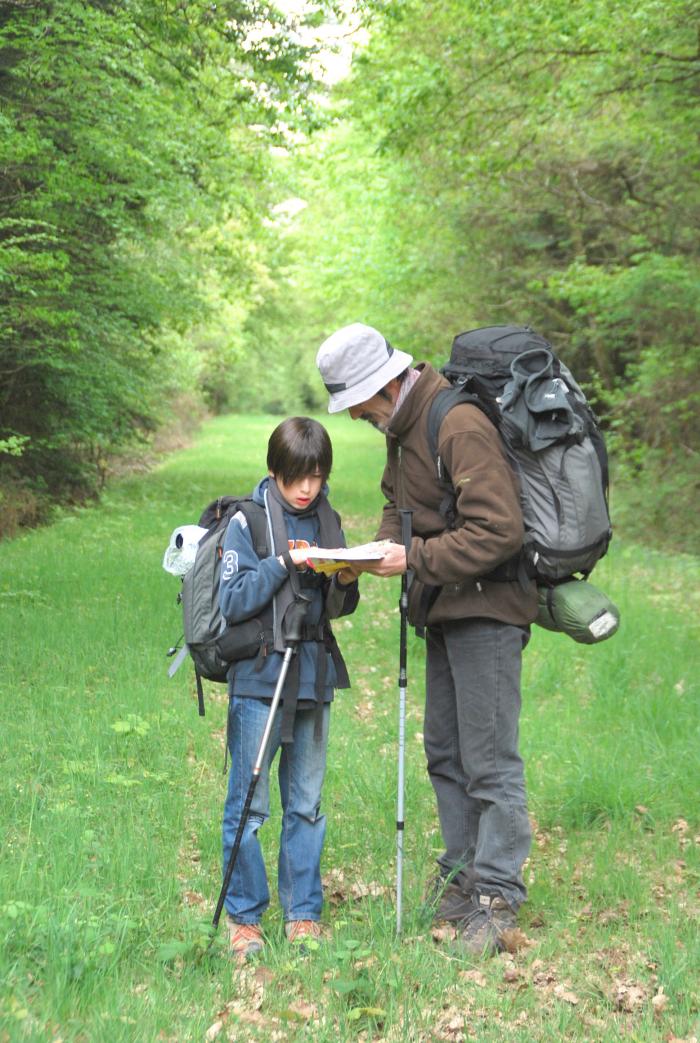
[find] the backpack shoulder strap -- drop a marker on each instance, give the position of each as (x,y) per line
(441,405)
(256,517)
(439,408)
(218,514)
(214,512)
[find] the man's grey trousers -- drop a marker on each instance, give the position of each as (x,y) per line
(471,742)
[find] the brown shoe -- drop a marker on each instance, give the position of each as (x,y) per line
(244,939)
(446,901)
(299,931)
(481,933)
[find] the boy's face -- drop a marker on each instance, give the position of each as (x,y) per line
(302,491)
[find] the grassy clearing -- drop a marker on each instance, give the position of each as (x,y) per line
(112,787)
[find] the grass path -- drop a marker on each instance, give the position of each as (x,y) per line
(112,786)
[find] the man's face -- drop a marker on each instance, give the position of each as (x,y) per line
(378,409)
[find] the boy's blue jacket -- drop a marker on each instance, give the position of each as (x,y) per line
(249,583)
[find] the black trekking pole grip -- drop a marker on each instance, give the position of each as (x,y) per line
(294,619)
(406,515)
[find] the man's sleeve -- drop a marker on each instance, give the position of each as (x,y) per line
(489,527)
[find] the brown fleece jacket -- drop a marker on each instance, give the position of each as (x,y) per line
(489,527)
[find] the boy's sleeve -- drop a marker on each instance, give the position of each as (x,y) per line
(341,599)
(248,583)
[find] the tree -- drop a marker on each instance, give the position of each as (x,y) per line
(133,175)
(530,161)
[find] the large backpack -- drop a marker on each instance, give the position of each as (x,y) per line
(552,440)
(199,596)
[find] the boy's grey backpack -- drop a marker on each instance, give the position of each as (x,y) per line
(552,439)
(205,637)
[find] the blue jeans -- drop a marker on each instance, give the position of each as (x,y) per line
(471,742)
(302,767)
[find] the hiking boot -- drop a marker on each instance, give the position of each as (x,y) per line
(300,931)
(244,939)
(446,901)
(481,932)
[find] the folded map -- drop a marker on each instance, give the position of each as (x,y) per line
(328,561)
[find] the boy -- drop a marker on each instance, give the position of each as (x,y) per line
(298,515)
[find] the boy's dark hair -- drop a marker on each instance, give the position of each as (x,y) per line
(297,447)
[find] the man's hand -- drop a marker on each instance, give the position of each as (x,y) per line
(392,564)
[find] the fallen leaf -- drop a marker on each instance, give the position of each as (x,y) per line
(263,975)
(564,994)
(360,890)
(193,898)
(449,1026)
(629,997)
(443,933)
(543,978)
(253,1017)
(474,975)
(303,1010)
(615,914)
(659,1001)
(515,940)
(365,709)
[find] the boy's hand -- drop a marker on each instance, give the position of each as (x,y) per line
(348,575)
(298,556)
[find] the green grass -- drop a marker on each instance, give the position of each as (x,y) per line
(112,787)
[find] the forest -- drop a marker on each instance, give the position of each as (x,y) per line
(193,195)
(189,205)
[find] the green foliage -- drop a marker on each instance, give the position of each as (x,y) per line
(529,162)
(134,155)
(526,161)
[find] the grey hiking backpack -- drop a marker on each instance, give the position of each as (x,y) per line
(552,440)
(212,646)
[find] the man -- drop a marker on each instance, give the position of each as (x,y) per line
(477,625)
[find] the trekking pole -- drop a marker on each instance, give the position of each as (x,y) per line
(293,624)
(403,682)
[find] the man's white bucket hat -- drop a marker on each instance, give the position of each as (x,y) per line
(355,363)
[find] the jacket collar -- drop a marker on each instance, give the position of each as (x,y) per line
(429,382)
